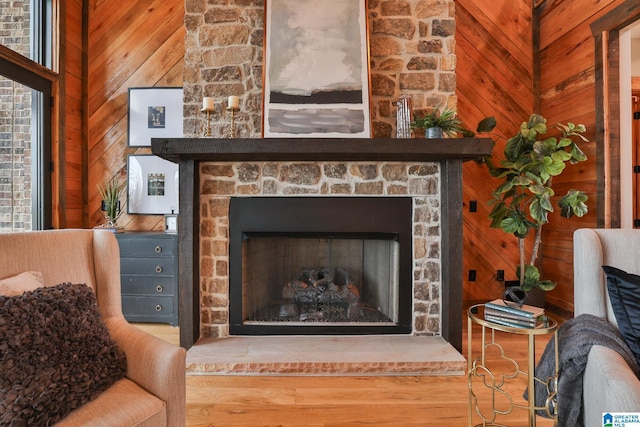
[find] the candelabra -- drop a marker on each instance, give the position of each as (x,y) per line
(207,129)
(232,128)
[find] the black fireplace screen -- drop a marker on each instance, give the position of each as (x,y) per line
(315,281)
(320,265)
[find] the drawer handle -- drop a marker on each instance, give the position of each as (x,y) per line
(158,307)
(159,288)
(158,249)
(158,269)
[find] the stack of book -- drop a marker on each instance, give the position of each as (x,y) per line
(527,316)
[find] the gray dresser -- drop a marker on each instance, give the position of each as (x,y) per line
(149,274)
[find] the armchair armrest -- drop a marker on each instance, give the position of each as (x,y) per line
(155,365)
(609,386)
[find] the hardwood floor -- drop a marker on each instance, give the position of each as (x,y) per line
(347,401)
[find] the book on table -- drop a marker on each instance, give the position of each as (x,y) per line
(540,322)
(497,311)
(508,316)
(529,311)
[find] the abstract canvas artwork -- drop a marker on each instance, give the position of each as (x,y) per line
(316,69)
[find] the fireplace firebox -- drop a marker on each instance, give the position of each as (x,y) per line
(320,265)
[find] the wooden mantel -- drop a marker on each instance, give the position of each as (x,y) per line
(450,153)
(314,149)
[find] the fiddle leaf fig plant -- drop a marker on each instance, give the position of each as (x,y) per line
(523,200)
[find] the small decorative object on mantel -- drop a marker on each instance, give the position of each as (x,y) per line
(111,205)
(171,222)
(436,124)
(233,106)
(403,117)
(208,108)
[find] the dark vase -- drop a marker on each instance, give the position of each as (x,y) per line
(517,295)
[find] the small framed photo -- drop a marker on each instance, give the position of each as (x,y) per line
(154,112)
(153,185)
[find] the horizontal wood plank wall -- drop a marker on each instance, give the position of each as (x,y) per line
(567,94)
(494,78)
(132,44)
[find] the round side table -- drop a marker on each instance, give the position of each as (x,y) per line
(477,367)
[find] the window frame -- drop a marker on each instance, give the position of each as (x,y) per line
(29,73)
(36,73)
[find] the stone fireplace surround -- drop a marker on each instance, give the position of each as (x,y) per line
(430,171)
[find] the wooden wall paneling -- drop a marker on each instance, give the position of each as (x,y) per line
(118,59)
(561,17)
(568,93)
(493,78)
(141,45)
(70,171)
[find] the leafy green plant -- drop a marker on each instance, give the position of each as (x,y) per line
(111,194)
(447,120)
(523,200)
(450,123)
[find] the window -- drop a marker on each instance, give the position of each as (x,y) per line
(25,116)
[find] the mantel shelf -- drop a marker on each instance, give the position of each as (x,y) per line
(320,149)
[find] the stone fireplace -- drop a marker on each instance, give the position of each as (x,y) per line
(411,46)
(427,175)
(415,185)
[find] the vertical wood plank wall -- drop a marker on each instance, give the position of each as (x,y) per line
(568,93)
(68,182)
(141,43)
(131,44)
(494,52)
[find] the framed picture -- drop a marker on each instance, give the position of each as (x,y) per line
(153,185)
(316,69)
(154,112)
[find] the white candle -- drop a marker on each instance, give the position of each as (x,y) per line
(207,103)
(234,102)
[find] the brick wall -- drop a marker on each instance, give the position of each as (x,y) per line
(15,124)
(412,49)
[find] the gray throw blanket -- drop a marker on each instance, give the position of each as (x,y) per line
(576,337)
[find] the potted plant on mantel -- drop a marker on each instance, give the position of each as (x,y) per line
(436,124)
(523,200)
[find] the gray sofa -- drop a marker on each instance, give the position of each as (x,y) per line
(609,383)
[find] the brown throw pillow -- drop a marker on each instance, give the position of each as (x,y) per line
(55,354)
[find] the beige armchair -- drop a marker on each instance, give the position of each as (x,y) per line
(609,383)
(153,390)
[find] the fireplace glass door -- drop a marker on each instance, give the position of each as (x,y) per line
(320,280)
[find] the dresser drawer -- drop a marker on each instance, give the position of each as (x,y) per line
(147,306)
(150,286)
(142,246)
(148,266)
(148,273)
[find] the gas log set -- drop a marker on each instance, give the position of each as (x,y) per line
(318,296)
